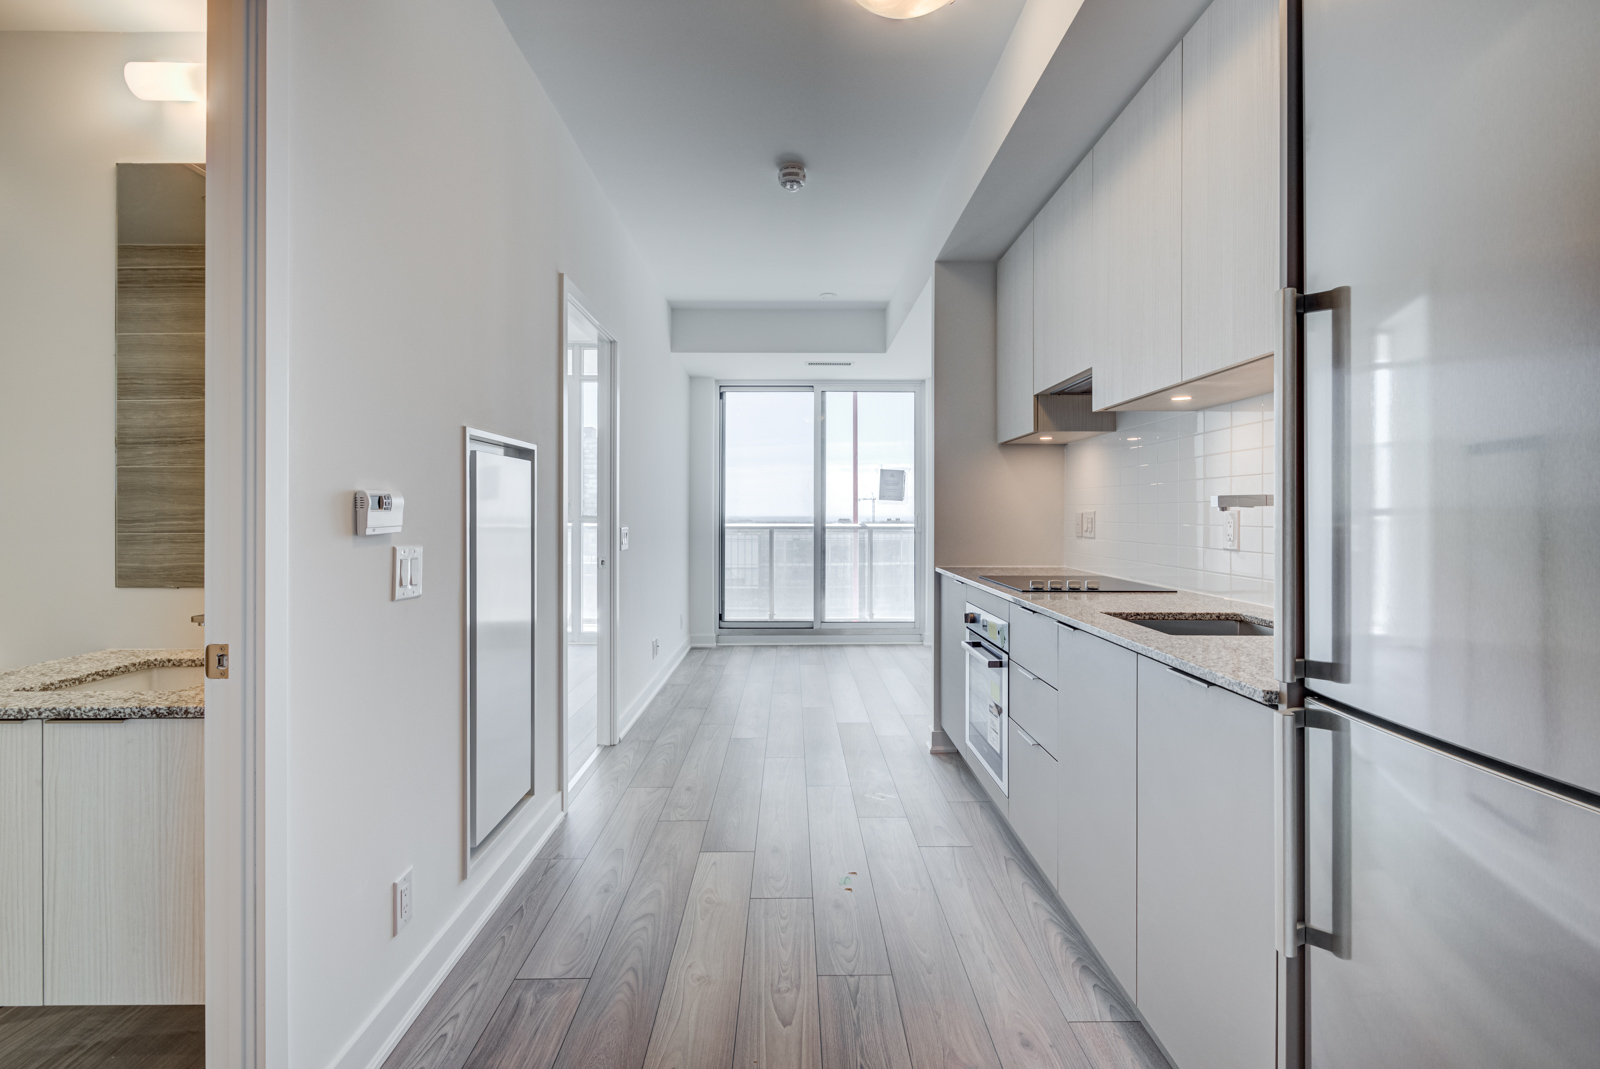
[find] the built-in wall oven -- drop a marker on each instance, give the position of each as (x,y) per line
(987,662)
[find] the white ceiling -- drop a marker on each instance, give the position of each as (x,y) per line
(105,16)
(685,107)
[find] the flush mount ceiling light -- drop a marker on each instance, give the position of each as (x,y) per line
(792,175)
(1183,397)
(902,9)
(166,81)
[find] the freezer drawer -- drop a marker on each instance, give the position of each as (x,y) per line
(1466,904)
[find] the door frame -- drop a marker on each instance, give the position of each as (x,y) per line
(820,630)
(610,498)
(246,538)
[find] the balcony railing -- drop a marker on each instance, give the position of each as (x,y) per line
(870,573)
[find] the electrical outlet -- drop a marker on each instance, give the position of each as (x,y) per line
(405,579)
(655,648)
(402,901)
(1230,529)
(624,538)
(1086,524)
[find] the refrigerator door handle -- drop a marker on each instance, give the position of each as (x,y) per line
(1336,301)
(1336,938)
(1288,731)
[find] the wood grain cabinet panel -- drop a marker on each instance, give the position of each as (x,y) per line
(1063,282)
(123,862)
(1014,340)
(1207,956)
(21,863)
(1098,832)
(1138,204)
(1231,229)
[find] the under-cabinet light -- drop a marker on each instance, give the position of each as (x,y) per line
(1183,397)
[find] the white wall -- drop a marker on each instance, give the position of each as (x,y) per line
(428,196)
(993,504)
(66,120)
(1150,484)
(909,357)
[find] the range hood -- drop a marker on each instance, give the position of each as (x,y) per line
(1064,413)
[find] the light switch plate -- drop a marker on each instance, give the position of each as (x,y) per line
(402,901)
(406,574)
(624,538)
(1086,522)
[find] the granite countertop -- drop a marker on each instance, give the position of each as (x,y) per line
(1242,664)
(37,691)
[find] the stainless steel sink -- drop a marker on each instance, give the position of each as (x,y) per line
(1215,625)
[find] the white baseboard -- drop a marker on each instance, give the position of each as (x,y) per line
(630,715)
(807,638)
(703,642)
(381,1032)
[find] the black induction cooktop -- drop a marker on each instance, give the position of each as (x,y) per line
(1078,582)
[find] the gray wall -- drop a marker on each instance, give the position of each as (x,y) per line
(992,504)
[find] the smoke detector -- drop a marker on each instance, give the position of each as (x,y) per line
(792,175)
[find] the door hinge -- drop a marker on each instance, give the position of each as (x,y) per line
(217,660)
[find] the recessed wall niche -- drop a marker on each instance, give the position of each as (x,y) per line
(161,387)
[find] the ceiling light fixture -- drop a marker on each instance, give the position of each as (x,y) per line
(1045,438)
(792,175)
(1183,397)
(903,9)
(166,81)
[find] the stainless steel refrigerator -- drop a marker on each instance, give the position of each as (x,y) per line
(1451,494)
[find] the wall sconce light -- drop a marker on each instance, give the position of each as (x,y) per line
(166,81)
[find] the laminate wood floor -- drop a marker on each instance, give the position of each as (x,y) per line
(772,872)
(102,1037)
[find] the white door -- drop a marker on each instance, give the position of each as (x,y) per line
(588,494)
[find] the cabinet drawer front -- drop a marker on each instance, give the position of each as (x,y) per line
(1035,781)
(1033,644)
(1033,706)
(986,600)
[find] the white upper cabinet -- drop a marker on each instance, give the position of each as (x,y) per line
(1014,340)
(1063,281)
(1231,218)
(1138,208)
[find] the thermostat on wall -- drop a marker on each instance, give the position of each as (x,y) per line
(378,512)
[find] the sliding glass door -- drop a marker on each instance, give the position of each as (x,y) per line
(768,506)
(820,514)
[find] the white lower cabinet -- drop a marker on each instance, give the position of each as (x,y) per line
(1035,784)
(1098,729)
(21,864)
(123,822)
(1207,972)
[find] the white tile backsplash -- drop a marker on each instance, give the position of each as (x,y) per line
(1150,484)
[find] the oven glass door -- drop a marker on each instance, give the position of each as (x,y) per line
(986,712)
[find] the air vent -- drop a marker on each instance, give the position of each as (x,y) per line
(828,363)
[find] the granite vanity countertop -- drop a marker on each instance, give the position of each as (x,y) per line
(36,692)
(1242,664)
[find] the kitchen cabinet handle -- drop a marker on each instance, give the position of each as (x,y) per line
(1024,671)
(1029,739)
(1187,678)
